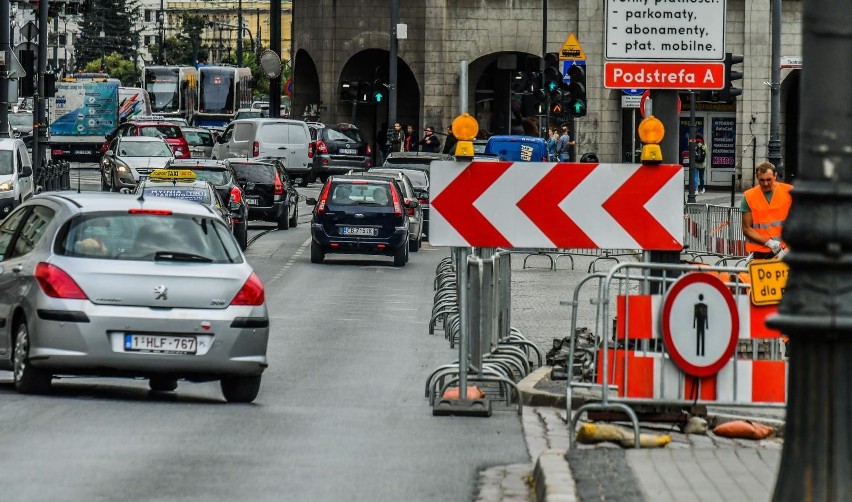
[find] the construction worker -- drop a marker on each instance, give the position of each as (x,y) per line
(764,210)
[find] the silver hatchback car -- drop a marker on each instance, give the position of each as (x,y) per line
(114,285)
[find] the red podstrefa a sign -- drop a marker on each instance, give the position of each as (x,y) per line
(663,75)
(556,205)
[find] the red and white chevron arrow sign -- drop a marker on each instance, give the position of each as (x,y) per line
(556,205)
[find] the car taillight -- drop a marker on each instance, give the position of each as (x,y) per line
(279,187)
(368,151)
(251,293)
(255,149)
(156,212)
(323,198)
(236,195)
(410,209)
(321,148)
(56,283)
(311,147)
(397,208)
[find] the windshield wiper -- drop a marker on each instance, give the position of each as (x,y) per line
(179,256)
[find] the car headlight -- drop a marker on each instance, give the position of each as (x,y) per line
(122,168)
(7,186)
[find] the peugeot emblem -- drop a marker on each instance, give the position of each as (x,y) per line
(162,293)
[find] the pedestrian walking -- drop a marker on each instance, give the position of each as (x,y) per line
(700,163)
(563,145)
(396,138)
(430,142)
(552,137)
(764,210)
(450,142)
(410,144)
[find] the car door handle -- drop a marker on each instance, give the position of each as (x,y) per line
(282,147)
(17,269)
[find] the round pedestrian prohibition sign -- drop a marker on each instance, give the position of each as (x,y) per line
(700,324)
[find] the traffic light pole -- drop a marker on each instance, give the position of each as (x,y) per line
(773,153)
(542,129)
(816,311)
(392,68)
(40,125)
(4,70)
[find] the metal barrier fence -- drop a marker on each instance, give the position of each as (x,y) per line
(713,230)
(637,361)
(473,304)
(598,255)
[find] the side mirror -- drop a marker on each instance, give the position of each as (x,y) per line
(411,203)
(27,171)
(109,153)
(311,201)
(220,139)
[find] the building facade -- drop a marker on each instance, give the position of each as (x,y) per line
(498,38)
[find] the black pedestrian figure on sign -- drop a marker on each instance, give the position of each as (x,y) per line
(699,322)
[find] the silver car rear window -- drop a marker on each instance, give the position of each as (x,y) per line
(139,237)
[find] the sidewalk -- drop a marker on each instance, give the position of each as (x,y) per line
(691,467)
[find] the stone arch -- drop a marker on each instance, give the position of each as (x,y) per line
(491,99)
(306,99)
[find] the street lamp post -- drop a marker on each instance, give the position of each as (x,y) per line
(102,36)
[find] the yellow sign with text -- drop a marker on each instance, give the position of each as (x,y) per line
(571,50)
(768,280)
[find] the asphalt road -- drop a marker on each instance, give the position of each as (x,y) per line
(340,415)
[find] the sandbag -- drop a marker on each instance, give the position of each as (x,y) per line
(743,429)
(596,433)
(473,392)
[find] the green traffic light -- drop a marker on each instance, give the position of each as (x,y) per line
(579,108)
(551,86)
(378,97)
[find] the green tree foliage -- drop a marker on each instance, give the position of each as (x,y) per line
(185,48)
(117,66)
(118,19)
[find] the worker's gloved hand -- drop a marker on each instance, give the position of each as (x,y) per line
(774,245)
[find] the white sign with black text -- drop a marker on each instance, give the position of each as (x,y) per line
(665,30)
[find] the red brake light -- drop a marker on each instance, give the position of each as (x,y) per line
(323,198)
(156,212)
(321,148)
(311,146)
(369,150)
(236,195)
(255,149)
(397,209)
(279,187)
(410,209)
(56,283)
(251,293)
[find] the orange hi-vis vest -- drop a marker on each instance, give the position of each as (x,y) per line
(768,218)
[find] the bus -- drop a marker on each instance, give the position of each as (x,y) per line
(222,90)
(132,102)
(172,90)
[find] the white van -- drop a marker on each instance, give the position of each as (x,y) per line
(286,139)
(16,175)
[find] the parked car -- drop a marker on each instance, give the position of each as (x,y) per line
(16,175)
(286,139)
(360,214)
(420,182)
(116,286)
(269,192)
(223,178)
(415,214)
(200,141)
(154,127)
(182,184)
(415,160)
(517,148)
(131,159)
(340,148)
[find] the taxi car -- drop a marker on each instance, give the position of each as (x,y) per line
(130,159)
(183,184)
(151,287)
(224,180)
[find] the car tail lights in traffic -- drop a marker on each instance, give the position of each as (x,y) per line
(369,151)
(255,149)
(410,209)
(251,293)
(397,208)
(323,198)
(155,212)
(311,148)
(321,147)
(56,283)
(236,195)
(279,187)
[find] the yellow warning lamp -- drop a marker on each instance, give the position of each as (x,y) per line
(465,129)
(651,132)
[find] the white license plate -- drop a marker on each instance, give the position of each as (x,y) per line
(365,231)
(82,152)
(252,202)
(160,344)
(348,151)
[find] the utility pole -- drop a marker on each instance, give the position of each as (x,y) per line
(392,67)
(6,51)
(773,153)
(542,128)
(275,46)
(161,49)
(40,125)
(816,311)
(240,34)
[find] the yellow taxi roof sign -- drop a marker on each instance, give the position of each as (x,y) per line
(172,175)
